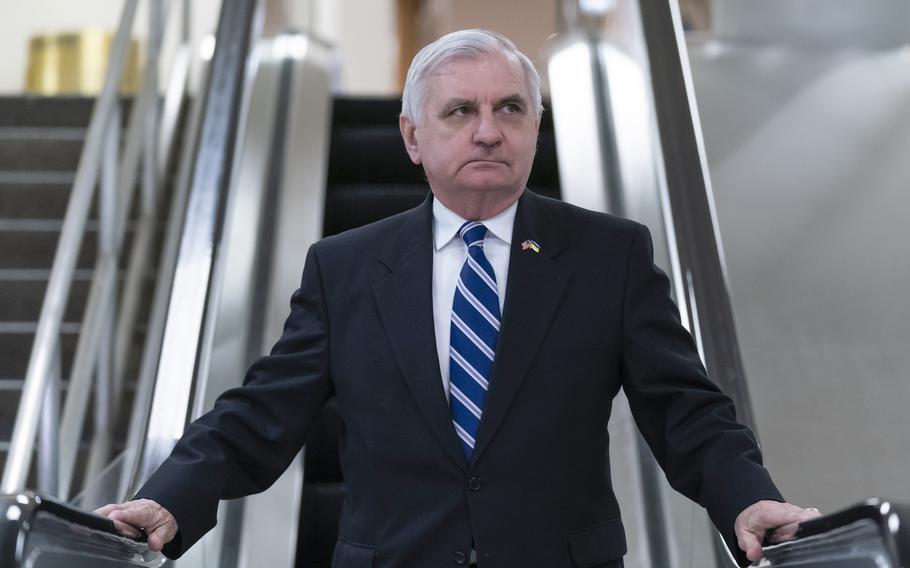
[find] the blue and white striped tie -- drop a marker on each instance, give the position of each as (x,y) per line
(475,328)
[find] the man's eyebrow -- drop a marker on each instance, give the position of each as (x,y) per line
(452,103)
(516,98)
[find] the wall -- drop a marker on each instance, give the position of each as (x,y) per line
(529,23)
(22,20)
(807,151)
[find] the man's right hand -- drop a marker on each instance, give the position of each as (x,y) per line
(133,517)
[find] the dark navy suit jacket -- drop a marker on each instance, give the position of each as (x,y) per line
(585,316)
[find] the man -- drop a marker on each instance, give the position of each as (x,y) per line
(474,345)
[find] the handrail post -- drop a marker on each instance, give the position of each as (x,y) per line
(108,251)
(49,445)
(150,148)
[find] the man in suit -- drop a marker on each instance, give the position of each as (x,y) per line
(474,345)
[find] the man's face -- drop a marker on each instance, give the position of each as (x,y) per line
(478,129)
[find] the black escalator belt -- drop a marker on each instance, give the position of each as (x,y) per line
(370,177)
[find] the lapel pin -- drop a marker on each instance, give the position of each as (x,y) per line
(530,244)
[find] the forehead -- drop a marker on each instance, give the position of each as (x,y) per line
(478,76)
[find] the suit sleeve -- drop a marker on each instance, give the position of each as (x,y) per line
(253,432)
(689,424)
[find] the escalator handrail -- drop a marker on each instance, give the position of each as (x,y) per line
(891,520)
(21,518)
(184,340)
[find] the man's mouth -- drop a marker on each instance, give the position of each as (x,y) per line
(487,162)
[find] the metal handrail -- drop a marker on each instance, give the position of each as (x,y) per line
(47,334)
(226,93)
(101,352)
(874,532)
(37,531)
(155,327)
(146,228)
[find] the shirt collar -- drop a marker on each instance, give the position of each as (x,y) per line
(446,224)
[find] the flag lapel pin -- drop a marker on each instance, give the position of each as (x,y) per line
(530,244)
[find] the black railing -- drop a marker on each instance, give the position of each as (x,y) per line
(875,534)
(37,532)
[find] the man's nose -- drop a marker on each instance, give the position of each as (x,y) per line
(487,132)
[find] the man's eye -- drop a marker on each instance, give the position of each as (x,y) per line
(512,108)
(461,111)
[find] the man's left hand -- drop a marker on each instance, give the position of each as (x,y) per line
(776,521)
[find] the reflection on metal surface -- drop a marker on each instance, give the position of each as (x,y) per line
(145,232)
(273,213)
(36,532)
(813,23)
(158,313)
(207,47)
(632,146)
(808,154)
(582,180)
(227,88)
(868,535)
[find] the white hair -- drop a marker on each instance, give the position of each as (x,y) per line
(463,43)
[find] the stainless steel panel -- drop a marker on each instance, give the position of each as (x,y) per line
(808,153)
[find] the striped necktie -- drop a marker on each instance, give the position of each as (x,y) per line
(475,328)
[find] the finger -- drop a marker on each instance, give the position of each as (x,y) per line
(161,536)
(126,530)
(137,513)
(129,517)
(107,509)
(770,517)
(783,533)
(751,545)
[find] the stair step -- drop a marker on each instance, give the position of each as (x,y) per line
(66,111)
(370,154)
(16,347)
(33,200)
(37,177)
(36,249)
(365,203)
(39,153)
(33,247)
(21,300)
(45,111)
(28,199)
(9,406)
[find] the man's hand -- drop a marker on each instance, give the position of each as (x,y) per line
(133,517)
(776,521)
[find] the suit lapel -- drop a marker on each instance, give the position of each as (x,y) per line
(534,290)
(405,302)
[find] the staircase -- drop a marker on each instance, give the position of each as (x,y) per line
(40,143)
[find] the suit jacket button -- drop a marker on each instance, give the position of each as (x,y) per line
(460,558)
(474,483)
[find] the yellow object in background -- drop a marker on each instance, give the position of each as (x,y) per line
(75,63)
(42,74)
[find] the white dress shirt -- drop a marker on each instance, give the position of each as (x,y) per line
(449,254)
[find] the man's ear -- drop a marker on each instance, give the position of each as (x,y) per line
(410,139)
